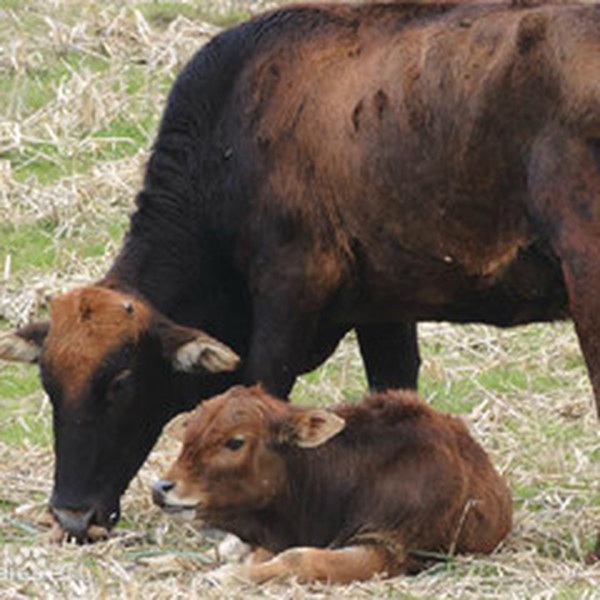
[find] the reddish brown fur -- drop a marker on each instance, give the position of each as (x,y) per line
(86,325)
(399,478)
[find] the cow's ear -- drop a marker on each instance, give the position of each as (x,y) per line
(311,428)
(24,344)
(206,352)
(191,350)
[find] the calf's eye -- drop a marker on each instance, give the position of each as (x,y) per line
(235,443)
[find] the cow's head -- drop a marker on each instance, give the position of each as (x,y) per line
(112,366)
(231,461)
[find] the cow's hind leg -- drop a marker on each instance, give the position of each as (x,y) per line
(564,179)
(390,352)
(343,565)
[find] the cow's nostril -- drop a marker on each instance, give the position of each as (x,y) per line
(159,489)
(74,522)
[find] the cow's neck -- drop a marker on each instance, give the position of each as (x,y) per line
(158,263)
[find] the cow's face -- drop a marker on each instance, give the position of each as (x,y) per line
(111,365)
(231,461)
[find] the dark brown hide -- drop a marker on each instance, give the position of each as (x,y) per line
(398,476)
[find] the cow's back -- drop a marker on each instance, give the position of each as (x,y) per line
(391,143)
(377,153)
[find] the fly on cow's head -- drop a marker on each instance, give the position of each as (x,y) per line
(113,367)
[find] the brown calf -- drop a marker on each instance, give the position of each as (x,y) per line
(343,495)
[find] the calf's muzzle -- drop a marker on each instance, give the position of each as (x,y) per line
(159,489)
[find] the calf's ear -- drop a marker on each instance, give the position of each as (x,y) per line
(24,344)
(311,428)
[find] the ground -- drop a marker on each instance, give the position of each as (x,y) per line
(82,85)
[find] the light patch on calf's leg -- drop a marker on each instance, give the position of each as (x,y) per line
(259,555)
(231,548)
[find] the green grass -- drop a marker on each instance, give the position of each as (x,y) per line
(25,418)
(25,431)
(11,4)
(574,591)
(18,381)
(161,14)
(43,246)
(31,245)
(457,397)
(29,90)
(47,161)
(124,136)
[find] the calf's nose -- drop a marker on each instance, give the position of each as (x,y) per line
(74,522)
(159,489)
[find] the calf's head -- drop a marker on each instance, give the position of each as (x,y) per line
(111,366)
(232,461)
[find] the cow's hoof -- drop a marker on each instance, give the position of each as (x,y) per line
(57,534)
(94,533)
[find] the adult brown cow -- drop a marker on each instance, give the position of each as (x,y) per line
(364,488)
(323,168)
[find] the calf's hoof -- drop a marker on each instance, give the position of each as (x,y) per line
(232,549)
(226,575)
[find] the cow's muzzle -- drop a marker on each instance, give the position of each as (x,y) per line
(83,525)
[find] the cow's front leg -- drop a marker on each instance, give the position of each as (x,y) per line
(293,285)
(281,339)
(390,352)
(343,565)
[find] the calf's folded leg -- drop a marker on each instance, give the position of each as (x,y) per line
(343,565)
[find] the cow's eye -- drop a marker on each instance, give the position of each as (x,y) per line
(121,385)
(235,443)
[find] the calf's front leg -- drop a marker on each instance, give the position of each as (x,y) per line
(343,565)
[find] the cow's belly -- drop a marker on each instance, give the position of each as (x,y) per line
(527,288)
